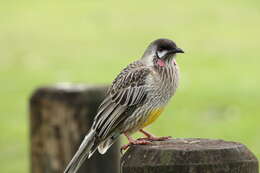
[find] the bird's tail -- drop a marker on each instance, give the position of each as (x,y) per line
(86,149)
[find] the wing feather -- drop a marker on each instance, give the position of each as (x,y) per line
(127,90)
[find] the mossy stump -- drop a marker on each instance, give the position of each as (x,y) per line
(60,117)
(189,156)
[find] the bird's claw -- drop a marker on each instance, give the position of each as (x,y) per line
(135,142)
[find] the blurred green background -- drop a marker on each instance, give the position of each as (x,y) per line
(45,42)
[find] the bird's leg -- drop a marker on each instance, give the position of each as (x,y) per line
(151,137)
(133,142)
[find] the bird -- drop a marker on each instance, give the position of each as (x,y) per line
(136,98)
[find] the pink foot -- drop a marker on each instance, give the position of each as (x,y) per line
(151,137)
(134,142)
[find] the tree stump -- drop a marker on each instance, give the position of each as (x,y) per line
(189,156)
(60,117)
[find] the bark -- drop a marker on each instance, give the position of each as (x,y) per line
(60,117)
(189,156)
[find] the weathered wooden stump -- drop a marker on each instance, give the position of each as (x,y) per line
(60,116)
(189,156)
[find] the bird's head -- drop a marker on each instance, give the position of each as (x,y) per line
(161,51)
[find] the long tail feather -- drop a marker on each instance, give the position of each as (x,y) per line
(85,150)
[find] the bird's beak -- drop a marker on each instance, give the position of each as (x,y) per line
(178,50)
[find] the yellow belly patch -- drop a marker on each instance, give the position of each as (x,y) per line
(152,117)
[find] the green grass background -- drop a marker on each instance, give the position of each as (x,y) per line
(87,41)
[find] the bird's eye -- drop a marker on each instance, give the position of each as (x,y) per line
(160,49)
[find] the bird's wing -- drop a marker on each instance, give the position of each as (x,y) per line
(127,91)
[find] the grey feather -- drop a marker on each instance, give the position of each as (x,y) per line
(126,90)
(82,153)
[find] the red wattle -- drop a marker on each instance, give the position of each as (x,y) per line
(160,62)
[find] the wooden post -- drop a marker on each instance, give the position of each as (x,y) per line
(189,156)
(60,116)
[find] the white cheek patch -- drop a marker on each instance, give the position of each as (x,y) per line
(162,53)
